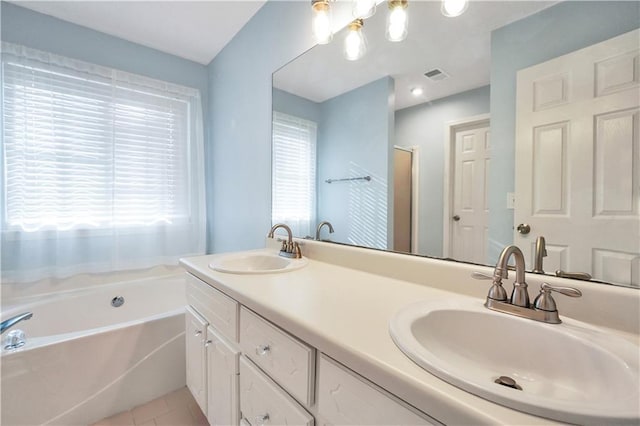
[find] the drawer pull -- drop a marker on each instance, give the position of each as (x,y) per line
(260,420)
(207,343)
(197,333)
(262,350)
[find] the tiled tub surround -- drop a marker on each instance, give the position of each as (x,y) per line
(85,360)
(343,312)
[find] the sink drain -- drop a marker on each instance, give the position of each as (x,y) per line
(508,382)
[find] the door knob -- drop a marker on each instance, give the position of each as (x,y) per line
(456,218)
(524,229)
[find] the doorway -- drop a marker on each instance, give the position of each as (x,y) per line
(405,193)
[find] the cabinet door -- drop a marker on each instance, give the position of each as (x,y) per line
(223,380)
(347,399)
(196,330)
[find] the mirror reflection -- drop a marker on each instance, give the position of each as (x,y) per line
(514,123)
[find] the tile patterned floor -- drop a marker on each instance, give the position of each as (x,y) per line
(177,408)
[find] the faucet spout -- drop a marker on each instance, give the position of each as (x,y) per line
(7,324)
(541,251)
(289,248)
(320,225)
(520,295)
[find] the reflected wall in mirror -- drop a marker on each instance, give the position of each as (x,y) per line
(527,126)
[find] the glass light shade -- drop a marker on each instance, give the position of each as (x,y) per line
(321,22)
(355,45)
(363,8)
(453,8)
(397,21)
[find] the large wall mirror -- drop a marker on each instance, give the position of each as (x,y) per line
(513,121)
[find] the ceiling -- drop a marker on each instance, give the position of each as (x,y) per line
(194,30)
(461,47)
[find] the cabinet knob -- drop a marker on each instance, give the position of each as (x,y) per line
(260,420)
(197,333)
(207,343)
(262,349)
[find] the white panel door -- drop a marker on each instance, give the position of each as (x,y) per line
(578,160)
(196,330)
(223,380)
(470,219)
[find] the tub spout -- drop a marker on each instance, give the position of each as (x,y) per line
(7,324)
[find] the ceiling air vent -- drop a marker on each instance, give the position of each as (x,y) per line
(436,74)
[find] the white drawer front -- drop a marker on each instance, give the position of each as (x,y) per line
(346,399)
(219,309)
(286,359)
(262,402)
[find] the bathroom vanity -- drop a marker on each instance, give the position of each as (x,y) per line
(312,345)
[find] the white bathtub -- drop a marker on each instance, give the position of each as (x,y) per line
(85,360)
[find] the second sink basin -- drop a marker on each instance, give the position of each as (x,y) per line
(262,262)
(569,372)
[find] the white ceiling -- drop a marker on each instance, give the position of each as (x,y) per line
(194,30)
(459,46)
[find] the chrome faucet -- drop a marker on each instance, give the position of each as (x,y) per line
(7,324)
(320,225)
(541,251)
(290,248)
(544,307)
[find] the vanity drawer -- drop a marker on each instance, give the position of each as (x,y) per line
(286,359)
(344,398)
(263,402)
(219,309)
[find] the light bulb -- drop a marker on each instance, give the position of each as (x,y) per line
(363,8)
(397,20)
(453,8)
(321,22)
(355,45)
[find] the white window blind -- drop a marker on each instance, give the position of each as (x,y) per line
(89,152)
(85,152)
(294,173)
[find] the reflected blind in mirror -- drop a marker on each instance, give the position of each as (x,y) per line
(294,172)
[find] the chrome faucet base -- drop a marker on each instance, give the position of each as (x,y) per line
(288,255)
(550,317)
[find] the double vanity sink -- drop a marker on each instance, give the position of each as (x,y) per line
(570,372)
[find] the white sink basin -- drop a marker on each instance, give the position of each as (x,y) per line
(569,372)
(256,263)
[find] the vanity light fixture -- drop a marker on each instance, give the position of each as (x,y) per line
(355,45)
(417,91)
(453,8)
(321,21)
(363,8)
(397,20)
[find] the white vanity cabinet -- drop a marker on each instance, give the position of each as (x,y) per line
(212,352)
(256,373)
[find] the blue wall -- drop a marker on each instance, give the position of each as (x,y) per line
(43,32)
(553,32)
(295,105)
(424,126)
(239,212)
(353,141)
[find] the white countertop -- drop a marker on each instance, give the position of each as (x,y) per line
(344,313)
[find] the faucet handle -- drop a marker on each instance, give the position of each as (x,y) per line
(496,292)
(545,302)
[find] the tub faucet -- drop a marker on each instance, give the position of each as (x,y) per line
(320,225)
(290,248)
(541,251)
(7,324)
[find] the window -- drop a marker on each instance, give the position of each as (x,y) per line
(87,149)
(294,173)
